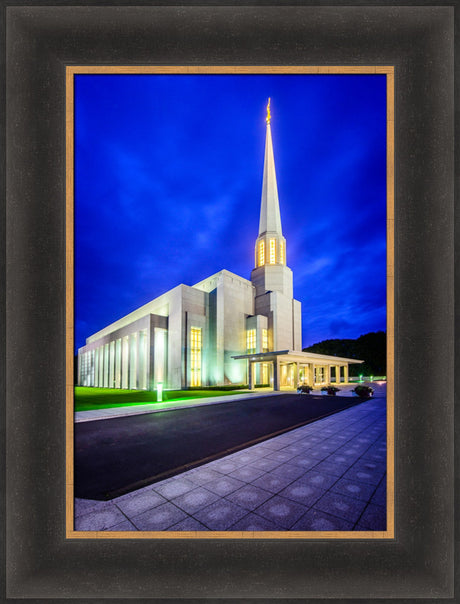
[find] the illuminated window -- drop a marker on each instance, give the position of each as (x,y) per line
(281,252)
(251,340)
(272,251)
(195,356)
(264,340)
(261,253)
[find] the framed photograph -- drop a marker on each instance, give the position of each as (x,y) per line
(140,140)
(51,52)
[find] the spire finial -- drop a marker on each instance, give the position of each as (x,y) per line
(268,112)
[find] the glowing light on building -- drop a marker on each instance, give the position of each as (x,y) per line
(264,340)
(261,252)
(195,356)
(251,340)
(282,252)
(272,251)
(269,116)
(264,373)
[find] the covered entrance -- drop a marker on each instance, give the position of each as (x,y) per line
(288,370)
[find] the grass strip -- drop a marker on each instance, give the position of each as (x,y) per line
(87,399)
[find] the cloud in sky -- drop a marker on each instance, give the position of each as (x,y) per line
(168,180)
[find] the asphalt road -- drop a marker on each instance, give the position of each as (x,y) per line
(116,456)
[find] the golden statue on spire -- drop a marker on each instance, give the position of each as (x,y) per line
(268,112)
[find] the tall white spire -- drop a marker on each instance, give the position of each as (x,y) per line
(270,219)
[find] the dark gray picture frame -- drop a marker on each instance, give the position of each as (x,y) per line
(40,561)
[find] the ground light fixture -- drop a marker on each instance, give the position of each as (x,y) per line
(159,392)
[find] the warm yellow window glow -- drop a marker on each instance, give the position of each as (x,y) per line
(251,340)
(264,379)
(281,252)
(195,356)
(264,340)
(261,253)
(272,251)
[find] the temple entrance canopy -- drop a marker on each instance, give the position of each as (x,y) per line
(289,369)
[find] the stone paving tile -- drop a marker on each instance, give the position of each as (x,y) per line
(138,503)
(126,525)
(328,447)
(304,461)
(353,489)
(253,522)
(366,476)
(247,473)
(283,512)
(315,520)
(293,449)
(159,519)
(220,515)
(249,497)
(378,457)
(266,464)
(195,500)
(338,458)
(225,466)
(274,444)
(369,466)
(374,518)
(99,520)
(334,469)
(340,505)
(201,476)
(188,524)
(280,456)
(225,485)
(174,488)
(380,495)
(302,493)
(274,484)
(318,455)
(318,479)
(289,470)
(306,440)
(243,457)
(84,506)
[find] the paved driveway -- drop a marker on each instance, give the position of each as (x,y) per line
(116,456)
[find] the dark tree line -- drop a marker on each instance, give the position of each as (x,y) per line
(370,347)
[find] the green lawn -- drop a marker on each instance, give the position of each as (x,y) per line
(103,398)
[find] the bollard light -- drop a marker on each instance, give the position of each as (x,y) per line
(159,392)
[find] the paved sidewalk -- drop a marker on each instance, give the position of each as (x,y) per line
(327,476)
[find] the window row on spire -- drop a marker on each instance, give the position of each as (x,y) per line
(273,256)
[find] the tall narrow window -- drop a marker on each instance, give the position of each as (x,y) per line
(264,340)
(281,252)
(251,341)
(261,253)
(272,251)
(195,356)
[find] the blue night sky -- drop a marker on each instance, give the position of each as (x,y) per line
(168,181)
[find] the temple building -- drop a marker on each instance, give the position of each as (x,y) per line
(223,330)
